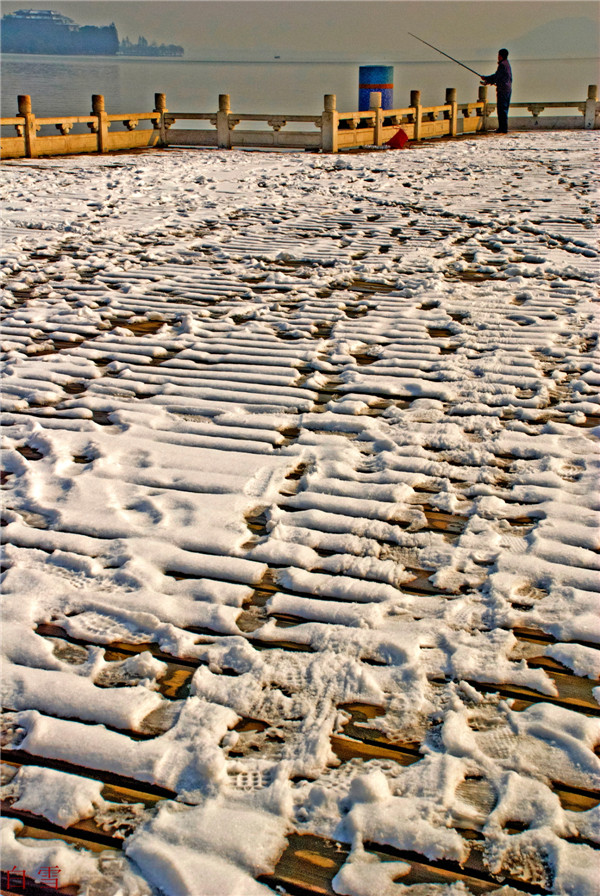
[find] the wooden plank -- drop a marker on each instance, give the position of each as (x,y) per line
(116,793)
(573,689)
(85,831)
(122,649)
(439,521)
(310,863)
(527,633)
(88,830)
(420,584)
(573,693)
(346,748)
(357,730)
(141,789)
(575,799)
(360,742)
(38,832)
(307,869)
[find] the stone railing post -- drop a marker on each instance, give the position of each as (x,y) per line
(452,115)
(29,127)
(375,106)
(102,127)
(482,98)
(329,124)
(160,106)
(415,102)
(223,132)
(590,106)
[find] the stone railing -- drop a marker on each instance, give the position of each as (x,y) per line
(332,130)
(223,134)
(418,122)
(588,118)
(336,130)
(29,143)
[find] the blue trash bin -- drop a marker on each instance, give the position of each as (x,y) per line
(378,78)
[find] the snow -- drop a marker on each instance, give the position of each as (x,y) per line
(102,873)
(37,788)
(362,874)
(323,431)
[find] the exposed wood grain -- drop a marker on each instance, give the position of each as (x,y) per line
(41,832)
(346,748)
(573,693)
(311,863)
(86,832)
(141,789)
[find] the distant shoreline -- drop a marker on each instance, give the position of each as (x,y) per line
(100,55)
(433,62)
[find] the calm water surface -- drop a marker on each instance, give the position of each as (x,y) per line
(64,85)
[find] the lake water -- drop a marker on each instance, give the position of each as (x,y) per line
(64,85)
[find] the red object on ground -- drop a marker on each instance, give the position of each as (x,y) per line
(398,141)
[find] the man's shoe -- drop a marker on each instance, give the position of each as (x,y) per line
(499,131)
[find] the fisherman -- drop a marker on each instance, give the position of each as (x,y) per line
(502,78)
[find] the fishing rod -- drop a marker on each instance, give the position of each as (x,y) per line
(446,55)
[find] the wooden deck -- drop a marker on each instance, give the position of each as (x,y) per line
(309,863)
(321,366)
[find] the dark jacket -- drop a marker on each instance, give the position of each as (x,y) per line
(502,77)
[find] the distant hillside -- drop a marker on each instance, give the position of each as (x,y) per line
(44,31)
(574,37)
(562,39)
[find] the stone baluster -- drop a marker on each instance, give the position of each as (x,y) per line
(452,115)
(417,113)
(590,106)
(329,124)
(30,129)
(223,132)
(482,98)
(99,112)
(375,106)
(160,106)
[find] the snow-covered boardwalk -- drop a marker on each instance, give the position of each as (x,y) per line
(300,483)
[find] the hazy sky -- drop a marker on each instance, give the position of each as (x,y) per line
(351,30)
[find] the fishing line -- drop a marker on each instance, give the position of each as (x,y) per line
(446,55)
